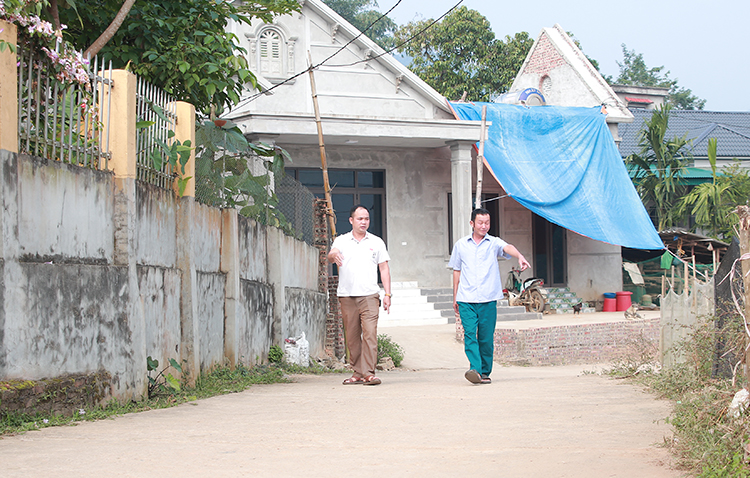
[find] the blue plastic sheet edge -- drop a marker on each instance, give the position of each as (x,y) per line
(562,164)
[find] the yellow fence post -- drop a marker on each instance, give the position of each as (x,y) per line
(185,130)
(122,132)
(8,90)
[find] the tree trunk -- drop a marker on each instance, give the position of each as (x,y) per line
(55,14)
(744,213)
(110,31)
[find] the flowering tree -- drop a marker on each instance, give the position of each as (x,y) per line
(33,32)
(182,46)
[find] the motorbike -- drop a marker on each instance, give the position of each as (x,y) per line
(526,292)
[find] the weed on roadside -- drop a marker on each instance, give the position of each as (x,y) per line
(220,381)
(706,441)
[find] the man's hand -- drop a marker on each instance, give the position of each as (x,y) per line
(523,263)
(387,303)
(336,257)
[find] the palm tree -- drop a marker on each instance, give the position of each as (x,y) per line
(658,167)
(713,203)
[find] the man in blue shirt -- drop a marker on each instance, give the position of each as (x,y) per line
(476,288)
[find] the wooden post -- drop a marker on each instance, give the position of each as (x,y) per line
(323,160)
(673,282)
(480,159)
(744,214)
(685,278)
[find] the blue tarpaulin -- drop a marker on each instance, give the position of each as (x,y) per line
(562,164)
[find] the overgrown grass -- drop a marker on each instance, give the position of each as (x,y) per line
(221,380)
(706,441)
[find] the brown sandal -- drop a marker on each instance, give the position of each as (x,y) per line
(354,381)
(372,380)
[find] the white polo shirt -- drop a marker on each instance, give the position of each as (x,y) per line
(358,275)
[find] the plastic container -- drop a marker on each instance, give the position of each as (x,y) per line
(623,301)
(609,304)
(646,299)
(610,295)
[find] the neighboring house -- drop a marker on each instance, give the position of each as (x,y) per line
(641,97)
(557,67)
(393,144)
(731,130)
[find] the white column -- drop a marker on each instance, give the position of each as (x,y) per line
(461,187)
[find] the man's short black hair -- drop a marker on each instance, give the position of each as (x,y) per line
(478,211)
(355,207)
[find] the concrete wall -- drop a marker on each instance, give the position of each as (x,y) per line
(98,273)
(594,267)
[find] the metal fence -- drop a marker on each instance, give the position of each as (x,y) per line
(156,113)
(296,203)
(291,210)
(65,123)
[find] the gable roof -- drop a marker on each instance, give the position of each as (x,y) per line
(365,96)
(557,67)
(731,129)
(365,43)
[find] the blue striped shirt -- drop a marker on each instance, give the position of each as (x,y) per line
(480,275)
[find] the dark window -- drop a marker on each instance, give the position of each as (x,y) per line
(349,187)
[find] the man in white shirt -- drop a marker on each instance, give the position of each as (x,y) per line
(476,289)
(359,255)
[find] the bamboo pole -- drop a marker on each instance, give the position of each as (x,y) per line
(323,160)
(480,159)
(695,278)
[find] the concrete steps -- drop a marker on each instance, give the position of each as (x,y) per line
(412,305)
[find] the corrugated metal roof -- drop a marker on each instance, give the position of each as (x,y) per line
(638,100)
(690,177)
(731,129)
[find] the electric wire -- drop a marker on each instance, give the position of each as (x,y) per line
(403,42)
(261,93)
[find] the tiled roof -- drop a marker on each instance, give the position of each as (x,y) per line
(731,129)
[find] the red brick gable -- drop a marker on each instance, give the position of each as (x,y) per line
(544,58)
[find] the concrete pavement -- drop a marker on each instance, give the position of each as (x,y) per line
(424,420)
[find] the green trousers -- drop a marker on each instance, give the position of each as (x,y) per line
(478,320)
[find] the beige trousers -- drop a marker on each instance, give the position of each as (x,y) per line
(360,315)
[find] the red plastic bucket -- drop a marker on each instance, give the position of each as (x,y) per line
(623,301)
(609,305)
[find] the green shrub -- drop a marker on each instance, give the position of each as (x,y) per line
(388,348)
(275,354)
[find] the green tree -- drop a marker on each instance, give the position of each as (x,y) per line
(633,71)
(713,204)
(461,53)
(658,169)
(361,14)
(178,45)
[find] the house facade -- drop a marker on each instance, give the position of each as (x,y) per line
(393,144)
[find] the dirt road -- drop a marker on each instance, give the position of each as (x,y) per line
(426,421)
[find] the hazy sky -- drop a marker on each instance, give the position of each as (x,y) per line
(705,45)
